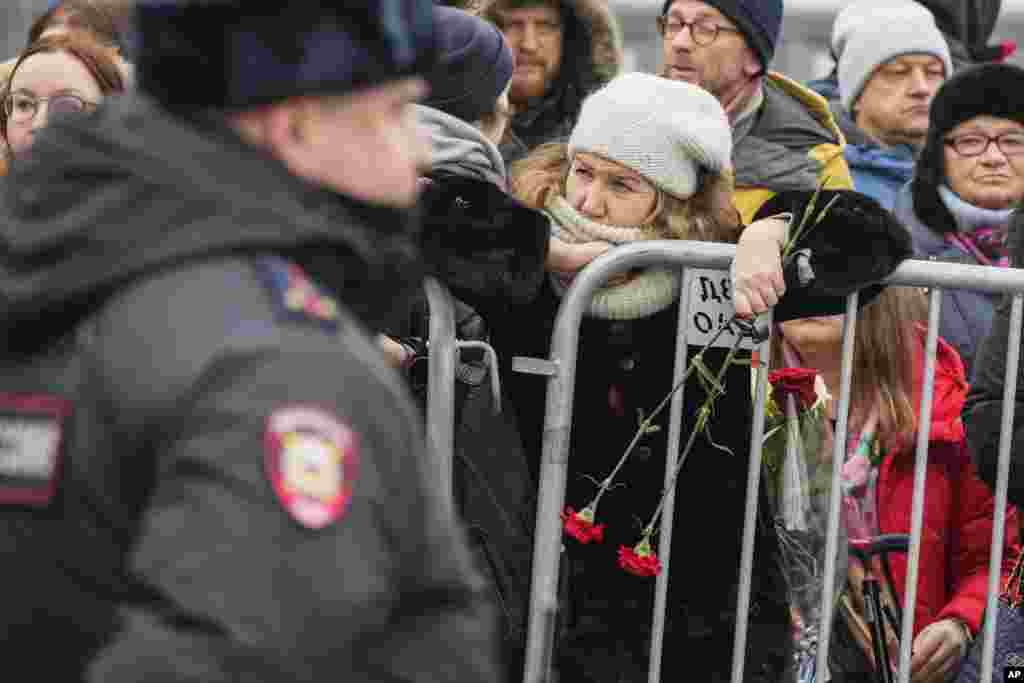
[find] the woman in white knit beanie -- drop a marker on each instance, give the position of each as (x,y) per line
(649,158)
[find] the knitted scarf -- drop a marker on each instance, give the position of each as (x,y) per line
(652,290)
(981,233)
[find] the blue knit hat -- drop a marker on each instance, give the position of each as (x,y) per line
(233,54)
(760,22)
(473,65)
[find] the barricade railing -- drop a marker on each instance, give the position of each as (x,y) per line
(443,350)
(560,369)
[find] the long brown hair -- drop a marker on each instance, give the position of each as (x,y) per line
(101,62)
(708,215)
(887,341)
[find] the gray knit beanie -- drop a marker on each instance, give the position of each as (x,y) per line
(872,14)
(867,47)
(665,130)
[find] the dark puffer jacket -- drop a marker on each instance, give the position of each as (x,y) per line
(152,346)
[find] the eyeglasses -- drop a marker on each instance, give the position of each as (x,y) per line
(976,144)
(703,31)
(22,108)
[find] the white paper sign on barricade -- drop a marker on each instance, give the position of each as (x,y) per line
(710,308)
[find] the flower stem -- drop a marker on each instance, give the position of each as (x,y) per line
(704,409)
(647,421)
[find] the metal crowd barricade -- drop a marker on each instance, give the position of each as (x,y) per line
(560,368)
(444,350)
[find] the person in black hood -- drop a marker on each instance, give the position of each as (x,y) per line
(207,471)
(489,249)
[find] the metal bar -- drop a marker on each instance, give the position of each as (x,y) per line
(918,273)
(672,454)
(441,382)
(555,462)
(838,456)
(995,561)
(924,421)
(739,646)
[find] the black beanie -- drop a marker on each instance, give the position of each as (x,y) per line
(986,90)
(233,54)
(473,65)
(759,20)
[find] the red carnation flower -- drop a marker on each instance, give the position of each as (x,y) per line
(639,560)
(580,525)
(796,381)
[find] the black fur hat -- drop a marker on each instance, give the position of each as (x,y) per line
(233,54)
(855,246)
(986,90)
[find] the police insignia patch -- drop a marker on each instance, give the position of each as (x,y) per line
(311,460)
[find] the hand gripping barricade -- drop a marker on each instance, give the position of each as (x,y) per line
(561,371)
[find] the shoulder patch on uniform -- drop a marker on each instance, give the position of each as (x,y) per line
(31,431)
(294,296)
(312,463)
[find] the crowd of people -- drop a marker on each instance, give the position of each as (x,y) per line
(216,221)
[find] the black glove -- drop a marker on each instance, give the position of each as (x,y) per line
(854,246)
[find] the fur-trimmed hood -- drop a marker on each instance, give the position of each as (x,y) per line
(592,55)
(602,26)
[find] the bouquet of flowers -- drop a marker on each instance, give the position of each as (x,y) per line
(796,458)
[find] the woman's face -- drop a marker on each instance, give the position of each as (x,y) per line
(38,81)
(993,179)
(609,193)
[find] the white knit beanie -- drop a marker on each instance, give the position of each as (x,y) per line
(664,130)
(874,14)
(881,38)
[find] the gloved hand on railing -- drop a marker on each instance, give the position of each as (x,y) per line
(849,243)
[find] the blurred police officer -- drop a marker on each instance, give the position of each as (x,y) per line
(206,470)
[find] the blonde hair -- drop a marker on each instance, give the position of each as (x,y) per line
(887,343)
(708,215)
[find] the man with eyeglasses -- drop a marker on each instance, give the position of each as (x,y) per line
(886,81)
(784,136)
(208,472)
(563,51)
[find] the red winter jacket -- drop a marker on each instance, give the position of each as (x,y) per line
(958,507)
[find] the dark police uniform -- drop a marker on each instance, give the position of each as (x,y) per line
(206,470)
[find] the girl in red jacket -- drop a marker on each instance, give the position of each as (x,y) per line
(879,472)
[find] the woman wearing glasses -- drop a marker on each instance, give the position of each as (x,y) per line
(61,74)
(968,179)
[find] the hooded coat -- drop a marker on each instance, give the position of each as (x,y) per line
(148,280)
(956,532)
(791,143)
(489,249)
(591,56)
(968,26)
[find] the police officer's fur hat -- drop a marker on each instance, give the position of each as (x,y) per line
(987,90)
(233,54)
